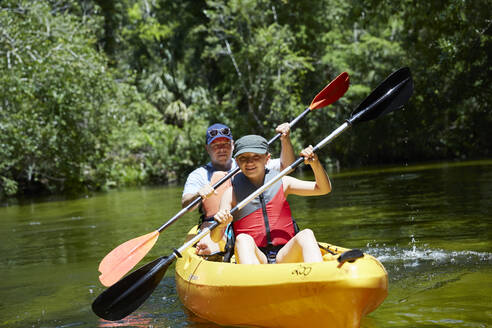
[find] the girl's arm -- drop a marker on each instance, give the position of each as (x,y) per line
(320,186)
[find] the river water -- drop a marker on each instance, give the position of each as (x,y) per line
(430,225)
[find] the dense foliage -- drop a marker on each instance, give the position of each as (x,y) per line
(110,93)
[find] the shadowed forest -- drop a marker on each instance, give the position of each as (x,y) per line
(99,94)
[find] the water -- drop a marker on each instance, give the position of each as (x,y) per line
(429,225)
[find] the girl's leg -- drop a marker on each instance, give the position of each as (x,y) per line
(302,248)
(247,252)
(206,246)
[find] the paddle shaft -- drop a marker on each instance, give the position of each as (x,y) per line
(244,202)
(197,200)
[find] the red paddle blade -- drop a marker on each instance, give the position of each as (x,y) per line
(124,257)
(332,92)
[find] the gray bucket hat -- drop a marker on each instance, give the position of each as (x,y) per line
(251,144)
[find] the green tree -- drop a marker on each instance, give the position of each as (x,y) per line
(101,93)
(56,103)
(450,52)
(158,140)
(259,69)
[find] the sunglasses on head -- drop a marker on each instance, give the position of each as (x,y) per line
(222,131)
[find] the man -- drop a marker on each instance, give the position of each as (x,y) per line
(264,228)
(219,146)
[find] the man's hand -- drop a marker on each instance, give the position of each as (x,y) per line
(206,191)
(284,129)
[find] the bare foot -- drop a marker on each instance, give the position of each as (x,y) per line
(207,246)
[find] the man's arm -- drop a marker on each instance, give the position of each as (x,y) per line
(196,186)
(204,192)
(187,199)
(287,156)
(223,216)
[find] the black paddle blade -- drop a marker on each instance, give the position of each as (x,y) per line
(393,93)
(129,293)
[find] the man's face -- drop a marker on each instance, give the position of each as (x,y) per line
(252,165)
(220,151)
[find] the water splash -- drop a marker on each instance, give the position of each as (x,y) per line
(415,255)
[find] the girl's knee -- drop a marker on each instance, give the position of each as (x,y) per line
(244,238)
(306,234)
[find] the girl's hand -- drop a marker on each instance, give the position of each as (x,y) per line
(309,156)
(224,217)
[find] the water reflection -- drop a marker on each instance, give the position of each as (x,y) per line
(133,320)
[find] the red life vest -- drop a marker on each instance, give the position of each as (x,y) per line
(210,206)
(267,218)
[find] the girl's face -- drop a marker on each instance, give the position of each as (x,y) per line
(253,165)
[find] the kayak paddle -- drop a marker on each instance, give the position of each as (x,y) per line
(129,293)
(124,257)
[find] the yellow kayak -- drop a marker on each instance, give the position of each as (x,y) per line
(282,295)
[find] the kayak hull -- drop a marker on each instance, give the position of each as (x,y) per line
(282,295)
